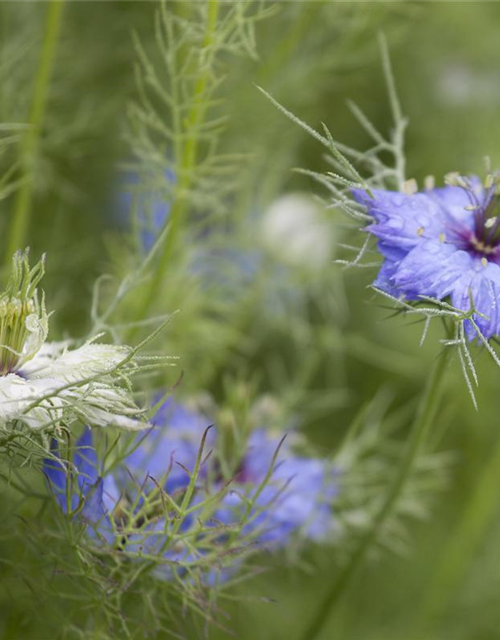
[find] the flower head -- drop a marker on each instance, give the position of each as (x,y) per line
(289,493)
(45,384)
(273,494)
(161,456)
(296,498)
(442,243)
(23,320)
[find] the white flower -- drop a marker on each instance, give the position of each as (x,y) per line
(295,229)
(60,385)
(50,384)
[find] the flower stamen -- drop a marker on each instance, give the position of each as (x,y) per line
(23,320)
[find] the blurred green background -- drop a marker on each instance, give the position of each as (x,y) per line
(312,56)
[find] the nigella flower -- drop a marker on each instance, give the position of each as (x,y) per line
(274,493)
(297,495)
(296,498)
(160,457)
(442,243)
(46,384)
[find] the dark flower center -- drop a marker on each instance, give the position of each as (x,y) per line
(487,224)
(484,240)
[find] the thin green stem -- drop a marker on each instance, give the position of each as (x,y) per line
(30,140)
(463,543)
(424,419)
(187,161)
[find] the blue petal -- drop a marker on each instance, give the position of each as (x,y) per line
(85,460)
(453,201)
(95,514)
(402,220)
(297,496)
(432,269)
(306,500)
(385,278)
(56,475)
(111,494)
(483,284)
(261,449)
(175,438)
(93,507)
(394,254)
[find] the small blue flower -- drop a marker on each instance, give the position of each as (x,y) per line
(297,497)
(441,243)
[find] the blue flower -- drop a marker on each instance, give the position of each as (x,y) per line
(164,455)
(83,493)
(297,497)
(441,243)
(167,452)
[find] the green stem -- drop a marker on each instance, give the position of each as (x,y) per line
(423,420)
(29,143)
(187,162)
(463,543)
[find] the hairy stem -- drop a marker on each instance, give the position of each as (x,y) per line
(424,419)
(187,159)
(30,140)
